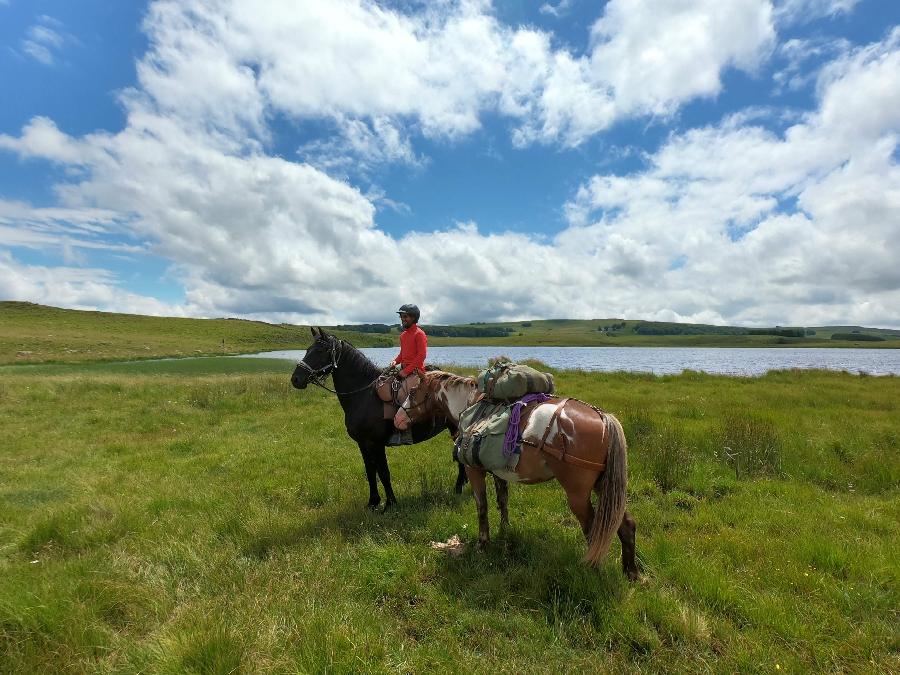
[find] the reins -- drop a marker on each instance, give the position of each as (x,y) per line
(337,351)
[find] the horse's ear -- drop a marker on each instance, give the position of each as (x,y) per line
(313,330)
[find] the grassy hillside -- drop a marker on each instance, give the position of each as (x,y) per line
(574,332)
(32,333)
(216,523)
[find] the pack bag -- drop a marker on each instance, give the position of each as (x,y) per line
(505,381)
(482,431)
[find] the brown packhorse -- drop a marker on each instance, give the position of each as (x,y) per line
(581,446)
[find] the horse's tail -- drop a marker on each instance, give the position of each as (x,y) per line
(612,487)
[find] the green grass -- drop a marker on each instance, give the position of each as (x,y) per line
(216,523)
(32,333)
(206,365)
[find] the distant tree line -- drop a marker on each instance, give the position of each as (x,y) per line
(862,337)
(468,331)
(662,328)
(611,327)
(367,328)
(779,331)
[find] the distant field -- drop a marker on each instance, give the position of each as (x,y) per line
(574,332)
(36,334)
(156,520)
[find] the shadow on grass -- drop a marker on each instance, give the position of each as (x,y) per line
(534,568)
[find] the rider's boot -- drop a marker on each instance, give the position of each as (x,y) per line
(401,437)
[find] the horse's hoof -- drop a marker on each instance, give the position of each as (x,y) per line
(632,575)
(372,505)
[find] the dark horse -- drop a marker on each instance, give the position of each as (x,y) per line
(354,378)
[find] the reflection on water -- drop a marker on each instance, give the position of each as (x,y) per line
(659,360)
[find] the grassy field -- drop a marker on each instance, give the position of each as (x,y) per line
(36,334)
(32,333)
(174,521)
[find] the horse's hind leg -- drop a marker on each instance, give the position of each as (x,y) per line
(479,491)
(626,536)
(501,487)
(580,503)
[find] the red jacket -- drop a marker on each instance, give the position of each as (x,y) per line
(413,346)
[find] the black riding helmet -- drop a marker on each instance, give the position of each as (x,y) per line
(412,310)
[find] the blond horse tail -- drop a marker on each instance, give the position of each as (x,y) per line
(612,488)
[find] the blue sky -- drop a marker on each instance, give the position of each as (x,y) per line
(713,161)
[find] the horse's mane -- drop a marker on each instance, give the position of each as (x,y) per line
(357,360)
(450,378)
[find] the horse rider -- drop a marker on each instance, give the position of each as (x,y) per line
(410,360)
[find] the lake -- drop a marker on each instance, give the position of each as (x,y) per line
(658,360)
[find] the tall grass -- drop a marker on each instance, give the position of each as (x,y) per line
(207,523)
(750,445)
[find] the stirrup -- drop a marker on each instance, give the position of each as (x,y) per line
(401,438)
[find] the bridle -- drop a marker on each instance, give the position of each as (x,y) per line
(318,375)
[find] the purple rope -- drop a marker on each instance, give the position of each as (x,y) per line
(511,440)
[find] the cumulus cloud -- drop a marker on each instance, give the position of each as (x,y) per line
(435,72)
(807,218)
(730,223)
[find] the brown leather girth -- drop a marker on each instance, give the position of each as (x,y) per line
(562,454)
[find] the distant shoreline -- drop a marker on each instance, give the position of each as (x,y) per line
(31,333)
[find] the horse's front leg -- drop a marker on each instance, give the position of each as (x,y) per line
(501,487)
(374,497)
(479,490)
(460,478)
(384,473)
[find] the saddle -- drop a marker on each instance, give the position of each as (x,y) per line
(387,387)
(393,391)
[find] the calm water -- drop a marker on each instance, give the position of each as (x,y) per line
(659,360)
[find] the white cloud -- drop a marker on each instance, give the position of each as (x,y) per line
(557,10)
(61,228)
(361,146)
(45,40)
(788,12)
(252,234)
(76,288)
(799,54)
(230,64)
(806,221)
